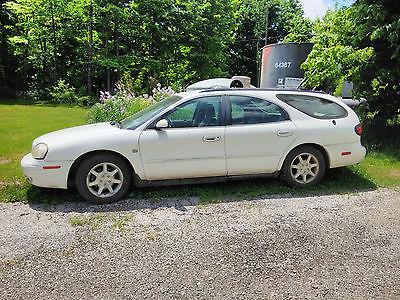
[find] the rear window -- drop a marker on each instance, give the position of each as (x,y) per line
(314,106)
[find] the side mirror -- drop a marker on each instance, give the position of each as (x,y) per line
(163,123)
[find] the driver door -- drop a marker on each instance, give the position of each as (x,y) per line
(192,146)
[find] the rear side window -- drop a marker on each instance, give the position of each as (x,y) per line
(249,110)
(314,106)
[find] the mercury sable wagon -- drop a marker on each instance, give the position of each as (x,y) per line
(209,135)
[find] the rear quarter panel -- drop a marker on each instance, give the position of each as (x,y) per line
(335,136)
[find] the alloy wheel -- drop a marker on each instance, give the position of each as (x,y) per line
(104,180)
(304,168)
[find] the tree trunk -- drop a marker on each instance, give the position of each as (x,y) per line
(116,42)
(53,27)
(45,69)
(108,80)
(90,56)
(44,62)
(266,27)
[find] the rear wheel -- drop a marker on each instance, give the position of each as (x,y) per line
(304,166)
(103,179)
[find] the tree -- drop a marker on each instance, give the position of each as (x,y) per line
(44,39)
(8,62)
(334,58)
(285,19)
(378,28)
(90,43)
(30,40)
(177,41)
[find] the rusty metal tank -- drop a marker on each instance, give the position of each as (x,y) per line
(280,64)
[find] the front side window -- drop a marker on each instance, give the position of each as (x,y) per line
(144,115)
(199,112)
(315,107)
(249,110)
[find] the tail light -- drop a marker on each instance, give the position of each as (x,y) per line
(358,129)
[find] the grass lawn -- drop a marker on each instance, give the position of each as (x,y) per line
(20,124)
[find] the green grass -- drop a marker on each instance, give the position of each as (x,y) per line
(20,124)
(383,168)
(79,221)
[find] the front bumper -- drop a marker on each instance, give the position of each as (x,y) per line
(46,174)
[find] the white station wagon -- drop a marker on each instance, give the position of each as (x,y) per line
(209,135)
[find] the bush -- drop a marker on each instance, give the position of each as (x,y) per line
(161,93)
(124,103)
(86,101)
(380,134)
(63,93)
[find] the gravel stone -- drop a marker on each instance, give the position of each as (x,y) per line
(271,247)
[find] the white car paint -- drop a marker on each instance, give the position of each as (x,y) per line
(183,152)
(175,153)
(67,145)
(257,148)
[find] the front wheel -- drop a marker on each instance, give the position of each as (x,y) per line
(304,166)
(103,179)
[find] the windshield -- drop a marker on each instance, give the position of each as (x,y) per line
(144,115)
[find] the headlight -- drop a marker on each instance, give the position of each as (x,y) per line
(39,151)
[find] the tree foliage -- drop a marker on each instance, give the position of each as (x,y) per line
(361,44)
(9,63)
(334,56)
(378,27)
(91,43)
(285,22)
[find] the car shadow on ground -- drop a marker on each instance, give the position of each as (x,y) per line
(336,181)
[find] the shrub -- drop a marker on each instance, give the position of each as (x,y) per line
(161,93)
(108,109)
(379,134)
(63,93)
(86,101)
(124,103)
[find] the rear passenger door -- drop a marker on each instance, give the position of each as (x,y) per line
(257,134)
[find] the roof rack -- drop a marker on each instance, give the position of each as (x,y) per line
(261,89)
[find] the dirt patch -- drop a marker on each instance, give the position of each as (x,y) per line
(4,183)
(395,173)
(4,160)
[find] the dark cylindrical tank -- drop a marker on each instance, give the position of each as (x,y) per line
(280,64)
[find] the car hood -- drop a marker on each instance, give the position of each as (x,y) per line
(77,133)
(68,144)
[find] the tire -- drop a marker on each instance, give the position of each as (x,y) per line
(303,167)
(100,187)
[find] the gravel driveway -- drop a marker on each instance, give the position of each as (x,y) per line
(272,247)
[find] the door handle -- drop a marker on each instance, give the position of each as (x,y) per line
(284,132)
(211,138)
